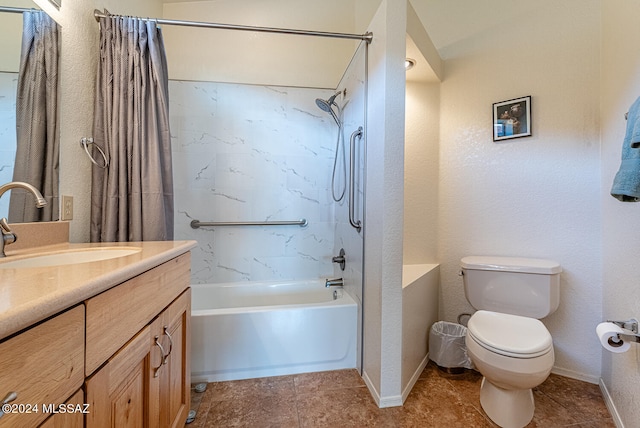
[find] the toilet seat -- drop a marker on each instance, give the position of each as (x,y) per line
(510,335)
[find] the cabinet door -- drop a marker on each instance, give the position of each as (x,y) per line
(172,330)
(119,393)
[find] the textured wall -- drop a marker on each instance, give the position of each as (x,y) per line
(621,237)
(537,196)
(422,128)
(384,204)
(253,153)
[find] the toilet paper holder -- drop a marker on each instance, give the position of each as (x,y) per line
(632,326)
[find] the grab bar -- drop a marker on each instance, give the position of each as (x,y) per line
(352,178)
(197,223)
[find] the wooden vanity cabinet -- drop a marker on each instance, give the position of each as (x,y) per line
(42,365)
(145,383)
(73,419)
(129,346)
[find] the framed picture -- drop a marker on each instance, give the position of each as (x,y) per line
(512,119)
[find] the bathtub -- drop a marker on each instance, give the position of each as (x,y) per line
(255,329)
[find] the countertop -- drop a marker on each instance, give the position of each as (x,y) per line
(30,295)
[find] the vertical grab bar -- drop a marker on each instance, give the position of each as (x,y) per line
(357,224)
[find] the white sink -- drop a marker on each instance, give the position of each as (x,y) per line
(68,257)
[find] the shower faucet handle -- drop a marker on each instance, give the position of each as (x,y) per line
(340,259)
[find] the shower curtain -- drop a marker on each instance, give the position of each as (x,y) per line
(132,199)
(36,120)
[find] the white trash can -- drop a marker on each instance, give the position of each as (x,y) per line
(447,347)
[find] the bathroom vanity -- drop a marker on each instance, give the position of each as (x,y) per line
(96,343)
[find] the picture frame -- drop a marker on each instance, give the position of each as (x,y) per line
(512,119)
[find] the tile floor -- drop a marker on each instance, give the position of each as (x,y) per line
(341,399)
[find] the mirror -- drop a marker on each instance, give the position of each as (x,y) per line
(10,47)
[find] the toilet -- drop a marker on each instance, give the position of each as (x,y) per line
(505,339)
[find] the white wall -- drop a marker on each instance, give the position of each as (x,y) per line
(260,58)
(384,203)
(420,289)
(422,128)
(537,196)
(253,153)
(621,249)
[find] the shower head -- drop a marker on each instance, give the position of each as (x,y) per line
(326,105)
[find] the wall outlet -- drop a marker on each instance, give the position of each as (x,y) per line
(67,208)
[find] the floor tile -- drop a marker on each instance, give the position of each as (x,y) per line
(252,388)
(341,399)
(259,413)
(323,381)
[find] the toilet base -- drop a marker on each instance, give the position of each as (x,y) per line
(507,408)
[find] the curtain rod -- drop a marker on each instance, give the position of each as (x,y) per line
(15,9)
(368,37)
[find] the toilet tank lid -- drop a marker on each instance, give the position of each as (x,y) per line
(511,264)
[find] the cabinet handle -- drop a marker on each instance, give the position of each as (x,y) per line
(166,357)
(156,370)
(8,399)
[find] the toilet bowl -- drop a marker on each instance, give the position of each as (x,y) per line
(505,339)
(514,354)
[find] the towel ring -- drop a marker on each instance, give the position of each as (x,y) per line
(85,143)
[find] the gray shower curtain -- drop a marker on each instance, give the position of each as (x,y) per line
(132,199)
(38,142)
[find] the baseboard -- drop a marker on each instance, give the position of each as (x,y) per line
(382,402)
(414,378)
(372,389)
(612,407)
(576,375)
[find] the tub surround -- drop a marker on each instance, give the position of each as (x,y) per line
(30,295)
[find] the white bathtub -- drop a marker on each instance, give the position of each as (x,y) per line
(256,329)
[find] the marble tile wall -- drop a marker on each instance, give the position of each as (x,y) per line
(253,153)
(8,91)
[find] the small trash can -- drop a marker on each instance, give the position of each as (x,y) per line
(447,347)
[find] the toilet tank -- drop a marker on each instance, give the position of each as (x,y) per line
(512,285)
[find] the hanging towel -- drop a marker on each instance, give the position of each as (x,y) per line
(626,184)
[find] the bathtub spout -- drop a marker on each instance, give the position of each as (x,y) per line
(333,283)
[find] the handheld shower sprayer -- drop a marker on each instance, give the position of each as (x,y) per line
(327,105)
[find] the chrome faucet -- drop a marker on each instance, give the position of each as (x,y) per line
(333,282)
(9,237)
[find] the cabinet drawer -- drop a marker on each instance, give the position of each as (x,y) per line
(43,365)
(116,315)
(68,420)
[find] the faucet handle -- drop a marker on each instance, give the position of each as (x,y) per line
(340,259)
(4,225)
